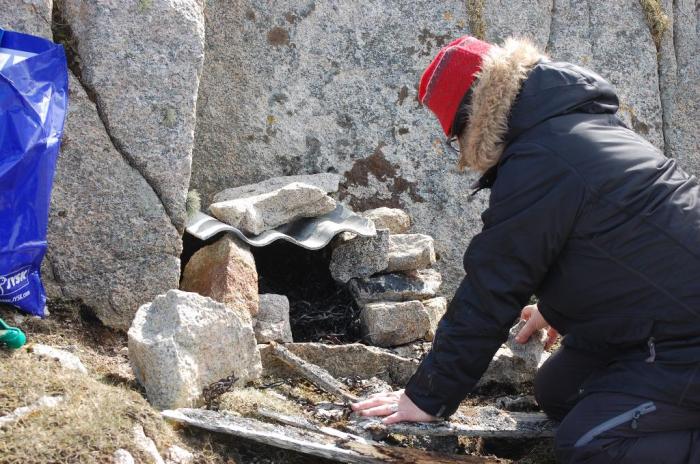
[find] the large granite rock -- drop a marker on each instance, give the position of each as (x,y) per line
(394,219)
(266,211)
(331,87)
(98,200)
(514,18)
(183,342)
(679,74)
(359,256)
(224,271)
(391,324)
(272,321)
(613,40)
(328,182)
(112,244)
(327,87)
(413,285)
(142,61)
(28,16)
(408,252)
(350,360)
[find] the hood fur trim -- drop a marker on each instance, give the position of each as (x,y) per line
(502,73)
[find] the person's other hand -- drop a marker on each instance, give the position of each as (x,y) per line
(395,405)
(535,322)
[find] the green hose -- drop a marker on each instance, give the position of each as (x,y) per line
(11,337)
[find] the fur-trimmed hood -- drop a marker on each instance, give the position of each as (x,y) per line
(503,71)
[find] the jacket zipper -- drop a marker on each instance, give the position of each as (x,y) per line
(652,350)
(632,415)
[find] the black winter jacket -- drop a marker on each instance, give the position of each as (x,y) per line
(600,226)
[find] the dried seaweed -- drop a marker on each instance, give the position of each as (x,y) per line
(320,308)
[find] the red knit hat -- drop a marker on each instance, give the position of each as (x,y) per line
(448,77)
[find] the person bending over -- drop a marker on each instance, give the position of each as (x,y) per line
(600,226)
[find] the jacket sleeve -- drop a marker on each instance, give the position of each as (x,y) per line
(533,206)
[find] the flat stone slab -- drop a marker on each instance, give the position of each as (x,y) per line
(328,182)
(259,213)
(394,219)
(360,257)
(272,320)
(408,252)
(394,323)
(412,285)
(348,360)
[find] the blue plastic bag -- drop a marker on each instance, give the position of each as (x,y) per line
(33,103)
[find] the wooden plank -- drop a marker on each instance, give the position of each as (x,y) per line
(313,443)
(303,423)
(314,374)
(487,421)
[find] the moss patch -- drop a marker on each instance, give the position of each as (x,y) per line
(657,20)
(477,23)
(247,402)
(193,204)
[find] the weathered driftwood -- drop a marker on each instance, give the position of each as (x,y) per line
(303,423)
(314,374)
(313,443)
(484,421)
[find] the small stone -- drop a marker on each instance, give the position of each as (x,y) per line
(436,308)
(122,456)
(272,320)
(412,285)
(390,324)
(178,455)
(410,251)
(328,182)
(360,257)
(415,350)
(183,342)
(516,363)
(65,359)
(266,211)
(147,445)
(394,219)
(41,403)
(226,272)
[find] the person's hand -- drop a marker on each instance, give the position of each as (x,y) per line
(395,405)
(535,322)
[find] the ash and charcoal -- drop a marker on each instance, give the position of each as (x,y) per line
(320,309)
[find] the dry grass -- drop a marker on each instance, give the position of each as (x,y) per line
(657,20)
(477,23)
(93,421)
(100,409)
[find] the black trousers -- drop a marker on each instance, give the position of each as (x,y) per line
(598,428)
